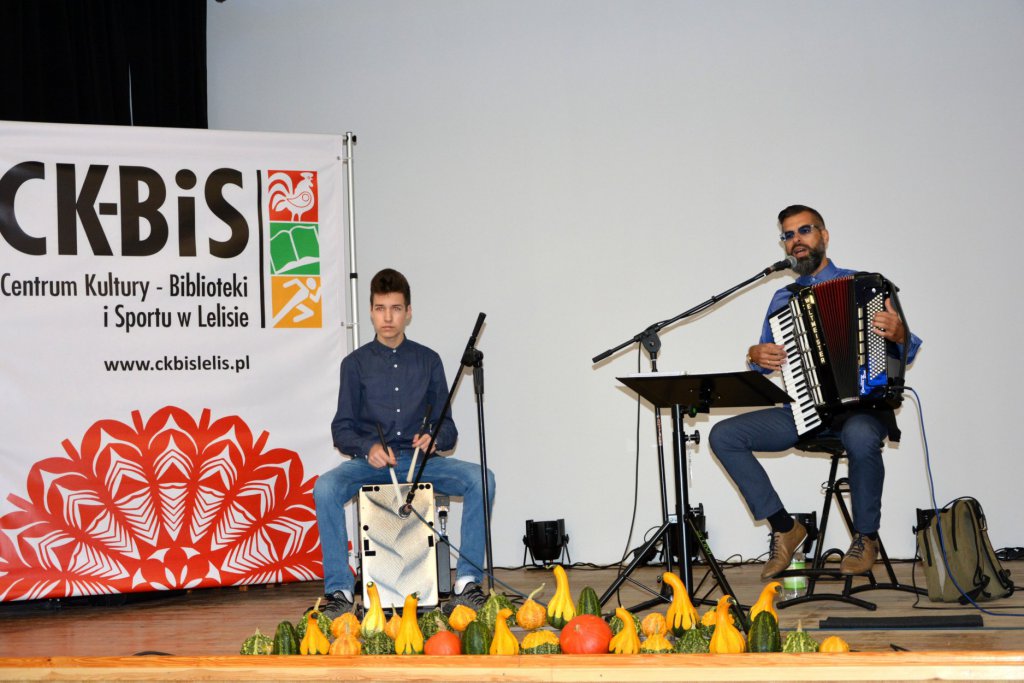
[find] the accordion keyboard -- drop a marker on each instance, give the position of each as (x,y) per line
(797,375)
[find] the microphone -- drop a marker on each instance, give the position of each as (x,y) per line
(405,511)
(788,262)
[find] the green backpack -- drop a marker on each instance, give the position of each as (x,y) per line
(969,564)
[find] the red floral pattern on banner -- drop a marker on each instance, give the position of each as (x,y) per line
(166,503)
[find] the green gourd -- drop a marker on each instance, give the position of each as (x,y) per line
(378,643)
(476,639)
(588,602)
(432,622)
(764,634)
(540,642)
(488,614)
(286,640)
(799,641)
(257,644)
(657,644)
(693,641)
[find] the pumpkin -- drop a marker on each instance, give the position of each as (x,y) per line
(347,623)
(286,640)
(799,641)
(588,602)
(443,643)
(727,639)
(257,644)
(476,639)
(540,642)
(391,627)
(378,644)
(461,617)
(314,642)
(764,634)
(489,612)
(654,624)
(693,641)
(561,608)
(656,644)
(503,643)
(346,644)
(626,641)
(766,601)
(409,640)
(433,622)
(681,615)
(834,644)
(585,634)
(374,619)
(531,614)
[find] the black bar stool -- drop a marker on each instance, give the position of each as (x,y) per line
(835,490)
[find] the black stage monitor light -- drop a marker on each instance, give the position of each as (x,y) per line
(545,540)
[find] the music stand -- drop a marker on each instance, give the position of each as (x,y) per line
(690,395)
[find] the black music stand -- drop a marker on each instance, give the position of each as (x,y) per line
(690,395)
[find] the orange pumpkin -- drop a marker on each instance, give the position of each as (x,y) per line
(461,617)
(347,623)
(346,644)
(532,615)
(443,643)
(654,624)
(834,644)
(391,628)
(585,634)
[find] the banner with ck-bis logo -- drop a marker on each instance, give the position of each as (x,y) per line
(173,310)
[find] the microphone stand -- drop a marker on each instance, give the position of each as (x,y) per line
(649,337)
(471,357)
(650,340)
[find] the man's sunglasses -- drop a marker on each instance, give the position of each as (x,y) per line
(804,230)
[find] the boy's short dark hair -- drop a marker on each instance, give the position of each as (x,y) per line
(389,281)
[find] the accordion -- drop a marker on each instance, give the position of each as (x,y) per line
(834,362)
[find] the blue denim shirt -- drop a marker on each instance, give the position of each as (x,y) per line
(392,387)
(779,299)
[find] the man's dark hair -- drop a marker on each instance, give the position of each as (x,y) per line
(389,281)
(800,208)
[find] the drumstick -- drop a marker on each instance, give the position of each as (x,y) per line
(424,427)
(391,470)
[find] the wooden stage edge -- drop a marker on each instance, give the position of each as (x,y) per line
(890,666)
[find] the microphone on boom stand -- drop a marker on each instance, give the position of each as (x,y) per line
(788,262)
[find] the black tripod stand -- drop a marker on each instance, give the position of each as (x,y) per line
(690,395)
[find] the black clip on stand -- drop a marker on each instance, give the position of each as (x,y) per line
(750,388)
(473,358)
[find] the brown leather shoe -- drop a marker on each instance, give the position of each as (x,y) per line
(861,556)
(781,550)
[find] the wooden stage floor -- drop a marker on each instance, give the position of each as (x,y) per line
(197,635)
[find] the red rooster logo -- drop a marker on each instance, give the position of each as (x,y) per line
(296,200)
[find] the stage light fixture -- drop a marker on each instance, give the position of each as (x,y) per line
(545,540)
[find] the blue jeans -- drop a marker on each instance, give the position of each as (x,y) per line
(734,441)
(448,476)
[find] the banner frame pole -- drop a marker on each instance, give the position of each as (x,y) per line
(353,274)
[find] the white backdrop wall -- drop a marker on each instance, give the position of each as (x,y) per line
(580,169)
